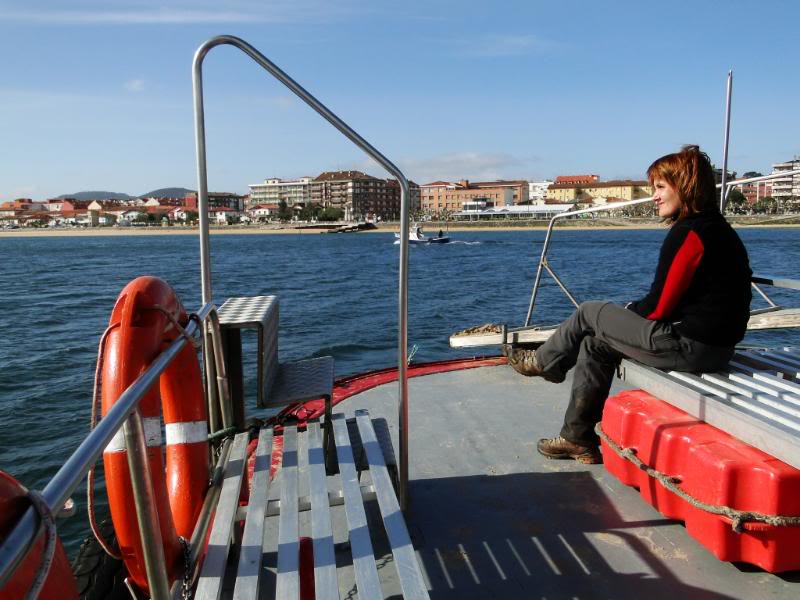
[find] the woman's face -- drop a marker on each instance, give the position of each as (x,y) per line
(666,199)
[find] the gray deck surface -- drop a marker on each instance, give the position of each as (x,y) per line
(490,518)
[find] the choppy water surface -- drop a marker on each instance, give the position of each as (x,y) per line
(338,296)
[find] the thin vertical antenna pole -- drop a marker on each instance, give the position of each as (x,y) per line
(723,197)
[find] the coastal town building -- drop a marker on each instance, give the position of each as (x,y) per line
(360,196)
(757,190)
(23,204)
(480,211)
(165,201)
(272,191)
(576,179)
(445,197)
(393,189)
(223,215)
(587,193)
(262,212)
(336,189)
(537,191)
(216,200)
(786,190)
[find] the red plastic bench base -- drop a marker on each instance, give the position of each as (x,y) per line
(713,467)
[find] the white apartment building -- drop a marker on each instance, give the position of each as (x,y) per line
(272,191)
(537,191)
(786,190)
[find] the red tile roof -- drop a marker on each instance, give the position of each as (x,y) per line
(576,179)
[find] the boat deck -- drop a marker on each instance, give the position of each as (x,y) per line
(490,518)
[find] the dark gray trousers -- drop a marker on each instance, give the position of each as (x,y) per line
(594,340)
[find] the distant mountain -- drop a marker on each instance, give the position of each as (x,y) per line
(171,192)
(97,196)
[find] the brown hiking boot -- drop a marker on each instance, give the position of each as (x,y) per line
(558,447)
(524,362)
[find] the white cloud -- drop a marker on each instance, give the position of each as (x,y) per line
(501,46)
(474,166)
(135,85)
(179,13)
(467,165)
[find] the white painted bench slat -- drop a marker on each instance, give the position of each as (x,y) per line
(209,585)
(749,400)
(249,573)
(325,583)
(405,558)
(366,571)
(288,577)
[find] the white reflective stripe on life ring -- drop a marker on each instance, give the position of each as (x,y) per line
(152,435)
(190,432)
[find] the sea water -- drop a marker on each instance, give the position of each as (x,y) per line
(338,296)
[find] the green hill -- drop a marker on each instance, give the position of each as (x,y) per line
(168,192)
(97,195)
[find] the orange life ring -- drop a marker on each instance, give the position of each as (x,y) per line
(139,330)
(60,582)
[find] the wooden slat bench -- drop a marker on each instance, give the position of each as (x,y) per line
(220,576)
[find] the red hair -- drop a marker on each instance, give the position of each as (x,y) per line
(690,173)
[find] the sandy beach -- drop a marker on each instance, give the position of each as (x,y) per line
(387,228)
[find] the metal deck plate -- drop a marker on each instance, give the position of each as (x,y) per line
(302,380)
(491,518)
(248,311)
(262,314)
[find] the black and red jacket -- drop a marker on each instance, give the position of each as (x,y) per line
(702,282)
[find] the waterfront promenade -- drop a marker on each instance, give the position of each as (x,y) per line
(432,226)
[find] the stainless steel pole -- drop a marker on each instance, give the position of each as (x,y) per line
(146,511)
(539,270)
(723,196)
(202,173)
(349,133)
(402,344)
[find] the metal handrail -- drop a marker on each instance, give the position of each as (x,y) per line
(543,264)
(778,175)
(219,396)
(322,110)
(723,197)
(564,215)
(71,474)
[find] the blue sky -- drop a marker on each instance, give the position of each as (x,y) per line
(97,94)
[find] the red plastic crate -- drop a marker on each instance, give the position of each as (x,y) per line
(713,467)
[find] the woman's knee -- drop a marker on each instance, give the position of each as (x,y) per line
(591,307)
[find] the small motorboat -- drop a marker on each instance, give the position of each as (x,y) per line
(416,237)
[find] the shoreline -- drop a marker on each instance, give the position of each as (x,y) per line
(153,231)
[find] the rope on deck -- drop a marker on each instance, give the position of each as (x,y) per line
(738,517)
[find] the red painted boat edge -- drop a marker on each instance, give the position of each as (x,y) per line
(300,413)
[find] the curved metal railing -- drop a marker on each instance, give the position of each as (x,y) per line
(545,266)
(349,133)
(125,414)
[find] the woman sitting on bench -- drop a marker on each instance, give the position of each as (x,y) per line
(691,320)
